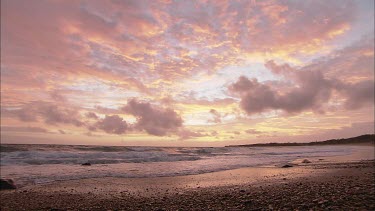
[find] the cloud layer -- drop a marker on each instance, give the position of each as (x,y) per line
(154,120)
(307,88)
(180,70)
(48,112)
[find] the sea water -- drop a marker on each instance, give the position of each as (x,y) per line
(38,164)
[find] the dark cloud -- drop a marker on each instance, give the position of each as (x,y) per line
(255,97)
(50,113)
(62,132)
(112,124)
(359,94)
(214,133)
(309,90)
(54,115)
(188,134)
(216,116)
(57,96)
(349,64)
(154,120)
(91,128)
(91,115)
(26,114)
(314,86)
(236,132)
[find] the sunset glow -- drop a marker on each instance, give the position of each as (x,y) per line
(186,73)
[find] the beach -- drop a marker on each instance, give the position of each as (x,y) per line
(318,186)
(179,105)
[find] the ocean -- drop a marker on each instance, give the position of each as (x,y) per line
(40,164)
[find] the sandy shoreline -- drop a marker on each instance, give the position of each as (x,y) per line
(337,186)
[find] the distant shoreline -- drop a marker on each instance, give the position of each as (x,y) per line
(368,139)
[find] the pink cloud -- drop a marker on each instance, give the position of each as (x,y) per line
(359,94)
(131,44)
(91,115)
(154,120)
(23,129)
(112,124)
(137,42)
(216,116)
(310,90)
(48,112)
(51,49)
(252,131)
(188,134)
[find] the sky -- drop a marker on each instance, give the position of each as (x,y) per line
(186,73)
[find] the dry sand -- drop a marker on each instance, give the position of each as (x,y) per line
(317,186)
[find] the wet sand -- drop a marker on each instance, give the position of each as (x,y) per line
(318,186)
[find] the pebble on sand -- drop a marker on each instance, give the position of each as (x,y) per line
(86,164)
(306,161)
(286,166)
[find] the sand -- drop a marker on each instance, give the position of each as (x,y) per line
(318,186)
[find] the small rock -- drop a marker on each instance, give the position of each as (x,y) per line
(7,184)
(247,202)
(86,164)
(306,161)
(286,166)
